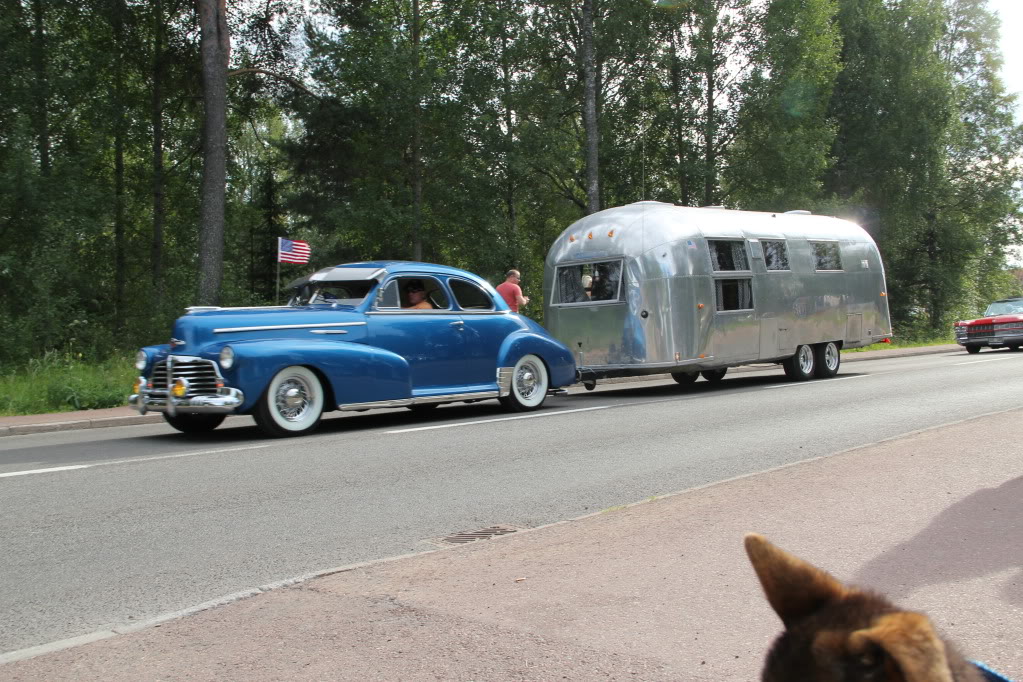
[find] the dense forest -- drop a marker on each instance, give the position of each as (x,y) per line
(151,151)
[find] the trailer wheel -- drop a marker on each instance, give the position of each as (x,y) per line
(685,378)
(800,366)
(972,349)
(827,360)
(529,385)
(714,375)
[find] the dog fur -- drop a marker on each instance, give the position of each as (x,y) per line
(837,633)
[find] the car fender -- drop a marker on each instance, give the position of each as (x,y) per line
(559,360)
(354,372)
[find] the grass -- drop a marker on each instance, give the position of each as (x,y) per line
(896,343)
(63,382)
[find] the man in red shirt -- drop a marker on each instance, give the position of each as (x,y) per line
(511,292)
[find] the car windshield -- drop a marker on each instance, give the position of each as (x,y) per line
(1004,308)
(345,293)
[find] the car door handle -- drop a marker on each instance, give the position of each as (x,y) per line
(458,325)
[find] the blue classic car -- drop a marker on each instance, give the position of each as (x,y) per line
(353,337)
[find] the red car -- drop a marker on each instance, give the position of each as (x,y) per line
(1001,327)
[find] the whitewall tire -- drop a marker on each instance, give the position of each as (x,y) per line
(292,403)
(528,385)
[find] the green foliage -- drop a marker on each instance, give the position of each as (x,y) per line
(63,382)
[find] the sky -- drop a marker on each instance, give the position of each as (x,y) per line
(1011,14)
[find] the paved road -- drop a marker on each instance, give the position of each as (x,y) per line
(155,522)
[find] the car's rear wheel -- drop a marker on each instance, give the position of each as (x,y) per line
(292,403)
(685,378)
(714,375)
(528,385)
(972,349)
(827,360)
(194,423)
(800,366)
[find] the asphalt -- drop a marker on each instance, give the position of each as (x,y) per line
(660,589)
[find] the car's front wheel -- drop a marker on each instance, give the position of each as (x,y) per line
(194,423)
(528,385)
(800,366)
(972,349)
(292,403)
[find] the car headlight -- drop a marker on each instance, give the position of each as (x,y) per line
(141,360)
(227,357)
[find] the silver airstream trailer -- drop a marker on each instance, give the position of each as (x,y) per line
(651,287)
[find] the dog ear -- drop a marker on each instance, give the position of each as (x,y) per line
(910,640)
(794,588)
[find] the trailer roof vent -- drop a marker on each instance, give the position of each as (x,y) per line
(797,212)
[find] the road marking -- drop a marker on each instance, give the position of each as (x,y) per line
(134,461)
(974,362)
(500,419)
(816,383)
(44,471)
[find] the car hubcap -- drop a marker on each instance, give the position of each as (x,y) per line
(525,381)
(292,399)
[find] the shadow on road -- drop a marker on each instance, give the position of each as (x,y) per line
(976,537)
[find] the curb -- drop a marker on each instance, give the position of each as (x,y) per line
(78,424)
(156,417)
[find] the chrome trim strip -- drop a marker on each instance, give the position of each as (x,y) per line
(327,331)
(405,402)
(413,311)
(504,381)
(221,330)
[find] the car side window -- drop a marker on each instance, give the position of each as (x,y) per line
(388,296)
(470,296)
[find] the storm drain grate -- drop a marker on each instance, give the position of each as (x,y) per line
(474,535)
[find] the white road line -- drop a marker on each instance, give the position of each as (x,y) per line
(974,362)
(817,383)
(501,419)
(133,461)
(44,471)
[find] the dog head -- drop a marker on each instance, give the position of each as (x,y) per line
(836,633)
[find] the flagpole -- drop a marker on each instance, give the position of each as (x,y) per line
(277,300)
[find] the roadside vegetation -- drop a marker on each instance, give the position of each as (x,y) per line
(905,343)
(63,382)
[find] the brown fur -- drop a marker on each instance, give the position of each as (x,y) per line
(836,633)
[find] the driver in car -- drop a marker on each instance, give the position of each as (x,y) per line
(416,295)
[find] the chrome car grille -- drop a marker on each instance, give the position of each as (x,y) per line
(980,330)
(202,375)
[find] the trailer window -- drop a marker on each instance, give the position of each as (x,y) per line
(728,255)
(734,294)
(826,256)
(589,282)
(776,254)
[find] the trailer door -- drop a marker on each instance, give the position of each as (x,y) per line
(735,333)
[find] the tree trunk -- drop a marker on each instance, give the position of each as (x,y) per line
(590,110)
(41,90)
(215,46)
(159,210)
(119,107)
(509,180)
(710,84)
(417,140)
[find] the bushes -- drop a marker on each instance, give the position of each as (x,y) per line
(62,382)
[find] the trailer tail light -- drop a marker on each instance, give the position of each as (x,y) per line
(589,236)
(883,293)
(610,233)
(886,340)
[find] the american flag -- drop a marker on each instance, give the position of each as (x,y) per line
(292,251)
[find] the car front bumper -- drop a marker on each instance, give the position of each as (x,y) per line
(225,402)
(993,339)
